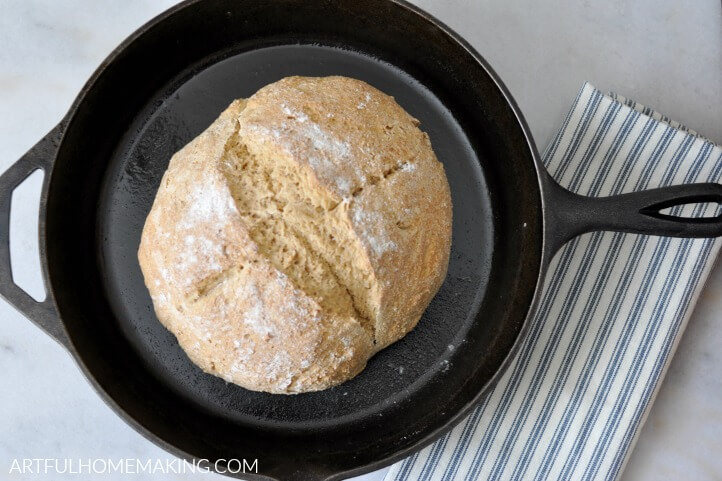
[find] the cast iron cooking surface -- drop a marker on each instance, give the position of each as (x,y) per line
(182,110)
(169,82)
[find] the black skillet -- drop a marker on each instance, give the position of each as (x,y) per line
(162,87)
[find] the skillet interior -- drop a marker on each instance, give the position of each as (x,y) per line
(164,88)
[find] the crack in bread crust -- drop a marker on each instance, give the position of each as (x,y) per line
(290,230)
(365,322)
(207,285)
(374,180)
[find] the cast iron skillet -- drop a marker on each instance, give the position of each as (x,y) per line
(162,87)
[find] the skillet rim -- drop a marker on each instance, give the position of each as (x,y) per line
(429,437)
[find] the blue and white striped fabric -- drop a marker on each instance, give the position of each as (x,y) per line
(613,308)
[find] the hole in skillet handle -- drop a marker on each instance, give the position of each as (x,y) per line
(696,210)
(665,211)
(676,211)
(40,156)
(701,208)
(24,246)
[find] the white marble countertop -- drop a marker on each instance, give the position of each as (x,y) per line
(666,55)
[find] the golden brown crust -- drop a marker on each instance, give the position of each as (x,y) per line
(235,309)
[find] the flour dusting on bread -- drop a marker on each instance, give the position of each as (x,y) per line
(307,228)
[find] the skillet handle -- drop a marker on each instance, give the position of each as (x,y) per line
(570,214)
(40,156)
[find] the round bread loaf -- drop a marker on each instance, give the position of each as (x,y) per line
(306,229)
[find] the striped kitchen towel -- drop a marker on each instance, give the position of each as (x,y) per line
(613,308)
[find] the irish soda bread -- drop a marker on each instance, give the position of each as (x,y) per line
(306,229)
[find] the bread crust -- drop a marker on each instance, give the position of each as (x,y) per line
(234,310)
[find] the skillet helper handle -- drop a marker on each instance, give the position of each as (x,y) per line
(572,214)
(40,156)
